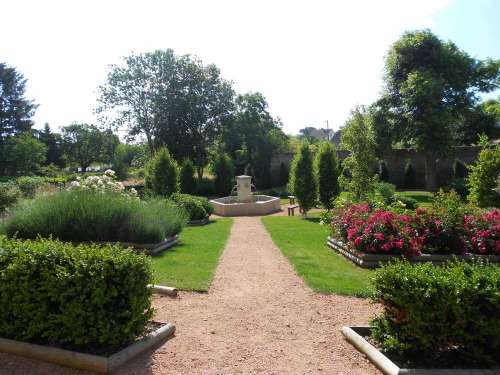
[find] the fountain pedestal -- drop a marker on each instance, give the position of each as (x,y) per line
(244,188)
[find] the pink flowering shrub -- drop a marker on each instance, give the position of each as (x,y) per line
(483,233)
(386,232)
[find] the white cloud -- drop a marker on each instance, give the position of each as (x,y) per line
(313,60)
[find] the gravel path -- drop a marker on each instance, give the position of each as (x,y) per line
(258,318)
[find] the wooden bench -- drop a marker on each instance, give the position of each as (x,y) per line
(291,209)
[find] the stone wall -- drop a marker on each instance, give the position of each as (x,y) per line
(396,161)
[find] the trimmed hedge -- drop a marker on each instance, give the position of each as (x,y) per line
(429,310)
(88,297)
(82,215)
(197,208)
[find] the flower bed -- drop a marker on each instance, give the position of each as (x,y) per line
(370,237)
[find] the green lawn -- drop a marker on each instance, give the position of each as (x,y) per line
(302,241)
(190,265)
(424,198)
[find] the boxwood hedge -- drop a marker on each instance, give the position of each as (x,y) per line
(430,311)
(84,297)
(197,208)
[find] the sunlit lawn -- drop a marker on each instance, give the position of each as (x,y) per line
(303,242)
(190,265)
(424,198)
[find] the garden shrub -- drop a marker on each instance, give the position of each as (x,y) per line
(198,208)
(431,310)
(385,191)
(28,185)
(161,174)
(187,180)
(482,177)
(328,174)
(303,180)
(87,297)
(9,195)
(205,187)
(408,202)
(84,215)
(223,170)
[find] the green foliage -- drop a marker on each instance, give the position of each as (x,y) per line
(9,195)
(482,177)
(223,170)
(205,187)
(85,144)
(162,175)
(187,180)
(24,154)
(29,185)
(385,191)
(358,139)
(409,202)
(328,173)
(383,172)
(409,180)
(429,310)
(79,215)
(303,180)
(54,144)
(87,297)
(123,158)
(197,207)
(459,169)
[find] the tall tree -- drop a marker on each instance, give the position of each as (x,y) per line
(359,140)
(170,100)
(303,179)
(24,154)
(15,110)
(253,137)
(430,84)
(85,144)
(53,143)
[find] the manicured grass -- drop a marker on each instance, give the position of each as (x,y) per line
(303,242)
(424,198)
(191,264)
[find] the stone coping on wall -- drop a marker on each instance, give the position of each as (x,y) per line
(84,361)
(357,337)
(148,248)
(366,260)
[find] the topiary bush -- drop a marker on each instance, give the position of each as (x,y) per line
(429,310)
(9,195)
(303,180)
(161,174)
(223,170)
(82,215)
(328,173)
(88,297)
(383,172)
(194,206)
(409,202)
(187,180)
(482,177)
(409,176)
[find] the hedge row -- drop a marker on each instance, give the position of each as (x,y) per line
(86,297)
(430,311)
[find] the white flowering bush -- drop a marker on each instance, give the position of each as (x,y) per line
(106,183)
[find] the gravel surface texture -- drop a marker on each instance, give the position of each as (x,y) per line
(258,318)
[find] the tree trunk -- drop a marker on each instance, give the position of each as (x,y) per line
(430,171)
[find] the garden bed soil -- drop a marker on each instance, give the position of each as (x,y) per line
(447,364)
(195,223)
(101,360)
(366,260)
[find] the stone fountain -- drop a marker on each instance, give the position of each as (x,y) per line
(245,203)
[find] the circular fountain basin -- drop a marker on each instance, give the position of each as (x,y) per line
(259,205)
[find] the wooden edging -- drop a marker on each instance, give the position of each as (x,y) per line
(167,290)
(354,336)
(85,361)
(376,260)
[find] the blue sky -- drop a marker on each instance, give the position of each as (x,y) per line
(314,60)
